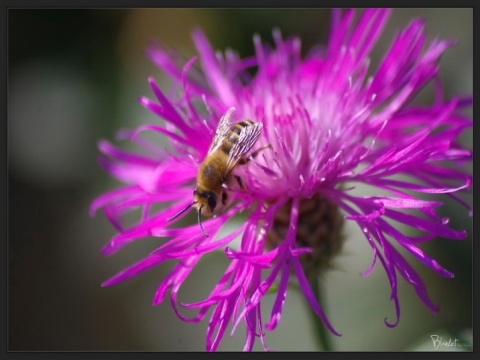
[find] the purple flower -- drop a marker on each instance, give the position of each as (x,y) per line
(331,125)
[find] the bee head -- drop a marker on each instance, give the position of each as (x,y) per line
(206,202)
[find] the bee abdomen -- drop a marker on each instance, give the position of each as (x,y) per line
(243,123)
(234,134)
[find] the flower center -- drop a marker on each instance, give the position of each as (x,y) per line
(319,227)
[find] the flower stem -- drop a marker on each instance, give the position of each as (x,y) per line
(322,332)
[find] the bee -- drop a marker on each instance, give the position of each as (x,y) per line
(230,145)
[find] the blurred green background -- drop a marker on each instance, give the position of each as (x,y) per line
(74,77)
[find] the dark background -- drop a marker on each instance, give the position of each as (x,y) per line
(74,77)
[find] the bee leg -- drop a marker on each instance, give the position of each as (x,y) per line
(240,182)
(253,155)
(256,152)
(224,198)
(231,186)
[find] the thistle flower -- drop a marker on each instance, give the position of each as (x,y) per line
(331,125)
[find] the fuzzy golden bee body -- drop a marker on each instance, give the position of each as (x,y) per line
(229,148)
(214,177)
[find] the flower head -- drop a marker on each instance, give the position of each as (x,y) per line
(329,122)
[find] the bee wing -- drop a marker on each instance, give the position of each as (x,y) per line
(247,138)
(222,129)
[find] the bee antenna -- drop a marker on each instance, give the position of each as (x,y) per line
(200,221)
(181,212)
